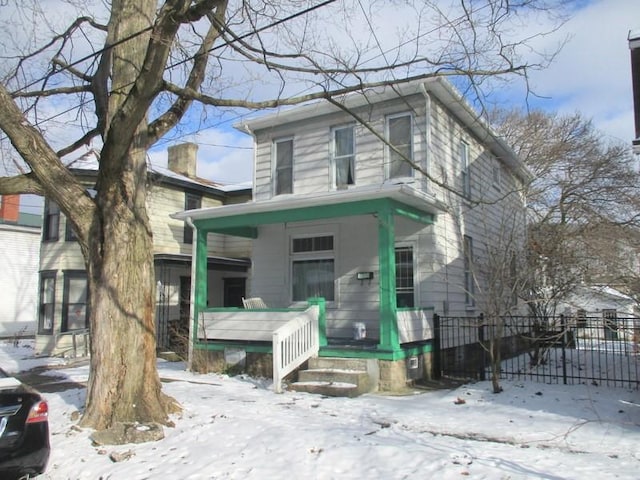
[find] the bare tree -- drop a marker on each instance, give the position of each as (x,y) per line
(583,201)
(131,74)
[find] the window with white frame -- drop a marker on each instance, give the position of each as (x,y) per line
(75,301)
(343,151)
(312,268)
(399,134)
(469,284)
(405,291)
(47,301)
(283,171)
(464,169)
(496,174)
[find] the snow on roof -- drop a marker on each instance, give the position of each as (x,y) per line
(90,162)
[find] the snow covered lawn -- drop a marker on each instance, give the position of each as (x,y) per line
(237,428)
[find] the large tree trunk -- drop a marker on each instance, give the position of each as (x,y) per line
(124,384)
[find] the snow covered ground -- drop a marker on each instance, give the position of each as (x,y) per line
(237,428)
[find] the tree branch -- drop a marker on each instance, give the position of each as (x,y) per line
(20,184)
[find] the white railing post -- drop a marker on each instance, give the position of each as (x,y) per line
(294,343)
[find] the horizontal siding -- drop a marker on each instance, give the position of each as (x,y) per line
(19,280)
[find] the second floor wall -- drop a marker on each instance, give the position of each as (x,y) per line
(332,151)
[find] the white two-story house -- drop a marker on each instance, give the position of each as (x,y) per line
(380,207)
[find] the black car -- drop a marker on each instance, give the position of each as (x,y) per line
(24,430)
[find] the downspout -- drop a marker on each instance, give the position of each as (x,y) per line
(427,134)
(192,293)
(247,129)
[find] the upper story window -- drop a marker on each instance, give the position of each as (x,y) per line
(464,169)
(192,201)
(496,174)
(51,230)
(283,170)
(399,130)
(343,150)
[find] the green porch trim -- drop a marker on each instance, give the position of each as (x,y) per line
(390,355)
(250,221)
(387,260)
(200,300)
(322,319)
(247,347)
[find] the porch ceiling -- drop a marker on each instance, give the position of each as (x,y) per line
(243,219)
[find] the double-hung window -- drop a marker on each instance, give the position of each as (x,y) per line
(312,268)
(47,301)
(400,135)
(51,230)
(405,292)
(75,301)
(469,283)
(464,169)
(343,148)
(283,170)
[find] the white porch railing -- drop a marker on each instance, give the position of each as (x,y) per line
(294,333)
(294,343)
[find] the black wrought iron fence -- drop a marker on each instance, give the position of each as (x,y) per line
(593,350)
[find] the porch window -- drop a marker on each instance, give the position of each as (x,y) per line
(469,285)
(464,169)
(312,268)
(192,201)
(399,134)
(47,302)
(405,293)
(343,150)
(74,303)
(51,228)
(283,174)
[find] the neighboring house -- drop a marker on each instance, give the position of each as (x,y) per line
(63,304)
(339,214)
(634,47)
(19,257)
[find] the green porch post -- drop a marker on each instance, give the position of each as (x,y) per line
(199,279)
(322,319)
(387,259)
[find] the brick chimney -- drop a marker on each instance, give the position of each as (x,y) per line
(9,207)
(183,159)
(634,46)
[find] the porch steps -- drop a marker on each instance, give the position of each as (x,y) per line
(334,377)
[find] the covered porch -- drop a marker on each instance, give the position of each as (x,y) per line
(398,333)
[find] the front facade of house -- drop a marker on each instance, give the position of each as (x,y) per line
(386,235)
(63,302)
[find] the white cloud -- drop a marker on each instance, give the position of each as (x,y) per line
(592,73)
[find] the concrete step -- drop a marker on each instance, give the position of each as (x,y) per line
(336,377)
(338,363)
(329,389)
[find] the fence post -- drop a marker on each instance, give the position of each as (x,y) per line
(483,350)
(436,349)
(563,326)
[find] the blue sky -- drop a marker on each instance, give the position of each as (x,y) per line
(591,75)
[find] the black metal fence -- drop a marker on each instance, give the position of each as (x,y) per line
(583,350)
